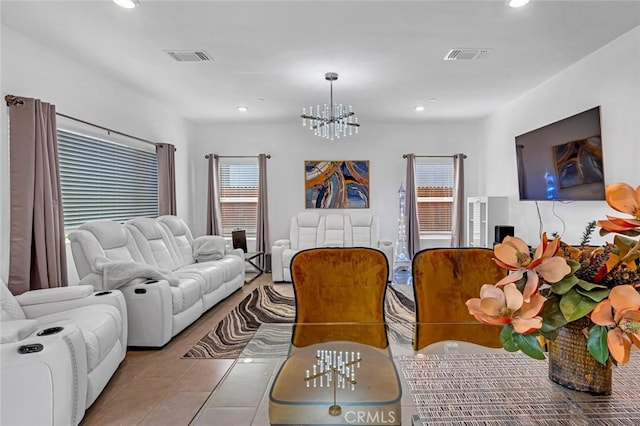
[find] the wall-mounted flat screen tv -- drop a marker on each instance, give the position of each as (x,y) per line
(563,160)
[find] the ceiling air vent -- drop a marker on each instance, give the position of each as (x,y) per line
(466,54)
(189,55)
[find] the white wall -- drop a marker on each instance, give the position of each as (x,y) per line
(610,77)
(290,145)
(30,69)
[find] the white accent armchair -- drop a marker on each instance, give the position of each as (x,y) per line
(59,349)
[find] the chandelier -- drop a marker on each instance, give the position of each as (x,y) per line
(331,121)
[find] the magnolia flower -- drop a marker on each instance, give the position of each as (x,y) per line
(623,198)
(497,306)
(621,311)
(513,254)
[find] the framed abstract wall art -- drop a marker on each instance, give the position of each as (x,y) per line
(336,184)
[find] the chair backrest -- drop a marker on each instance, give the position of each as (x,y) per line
(182,237)
(306,231)
(443,279)
(340,285)
(335,229)
(156,243)
(101,239)
(363,230)
(11,309)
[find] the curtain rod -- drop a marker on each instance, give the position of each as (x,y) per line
(434,156)
(233,156)
(14,100)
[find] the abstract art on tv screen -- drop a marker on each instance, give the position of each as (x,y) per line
(579,162)
(336,184)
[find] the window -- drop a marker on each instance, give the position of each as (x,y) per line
(105,180)
(238,179)
(434,184)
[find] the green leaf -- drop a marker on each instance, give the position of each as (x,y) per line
(589,286)
(625,245)
(506,337)
(564,285)
(597,344)
(595,295)
(552,317)
(574,305)
(574,266)
(529,344)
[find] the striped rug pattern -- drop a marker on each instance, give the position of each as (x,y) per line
(265,305)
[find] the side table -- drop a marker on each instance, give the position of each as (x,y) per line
(249,257)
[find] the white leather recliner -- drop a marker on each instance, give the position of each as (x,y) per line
(149,302)
(59,349)
(310,230)
(224,276)
(363,230)
(306,231)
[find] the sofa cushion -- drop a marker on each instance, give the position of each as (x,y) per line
(181,236)
(185,294)
(334,229)
(109,234)
(11,309)
(155,243)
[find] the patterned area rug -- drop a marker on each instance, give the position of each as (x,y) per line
(266,305)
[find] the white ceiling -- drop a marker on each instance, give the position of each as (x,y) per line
(272,55)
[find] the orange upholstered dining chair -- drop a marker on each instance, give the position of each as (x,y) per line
(340,286)
(443,280)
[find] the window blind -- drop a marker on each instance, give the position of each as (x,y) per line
(104,180)
(238,179)
(434,184)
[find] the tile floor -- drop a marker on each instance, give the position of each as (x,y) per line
(158,387)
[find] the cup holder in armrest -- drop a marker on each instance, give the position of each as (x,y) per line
(50,331)
(103,293)
(151,281)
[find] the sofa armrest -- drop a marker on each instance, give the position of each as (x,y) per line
(236,252)
(109,297)
(45,378)
(16,330)
(277,268)
(282,243)
(58,294)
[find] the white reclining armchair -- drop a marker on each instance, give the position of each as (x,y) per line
(310,230)
(59,349)
(103,250)
(363,230)
(305,231)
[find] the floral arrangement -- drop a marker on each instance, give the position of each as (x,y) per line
(560,284)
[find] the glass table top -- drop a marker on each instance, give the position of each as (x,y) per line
(341,374)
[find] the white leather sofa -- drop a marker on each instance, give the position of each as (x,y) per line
(59,349)
(165,289)
(310,230)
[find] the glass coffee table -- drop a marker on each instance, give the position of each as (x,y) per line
(339,382)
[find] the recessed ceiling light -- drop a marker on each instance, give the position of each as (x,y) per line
(243,108)
(518,3)
(419,108)
(127,4)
